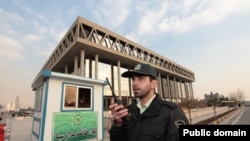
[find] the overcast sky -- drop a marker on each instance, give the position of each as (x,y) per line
(209,37)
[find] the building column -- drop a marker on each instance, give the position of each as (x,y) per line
(82,64)
(75,64)
(160,85)
(90,68)
(191,90)
(129,90)
(186,90)
(66,68)
(112,81)
(169,87)
(119,78)
(181,90)
(96,65)
(175,91)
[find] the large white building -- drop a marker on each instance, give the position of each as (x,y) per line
(89,50)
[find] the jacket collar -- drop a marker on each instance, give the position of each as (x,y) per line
(153,108)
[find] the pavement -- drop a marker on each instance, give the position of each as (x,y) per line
(231,118)
(18,129)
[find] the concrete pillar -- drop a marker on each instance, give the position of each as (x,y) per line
(181,90)
(112,79)
(96,65)
(175,90)
(90,68)
(169,92)
(66,68)
(82,63)
(160,85)
(75,64)
(119,78)
(129,91)
(186,90)
(191,90)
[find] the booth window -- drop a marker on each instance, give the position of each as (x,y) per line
(38,99)
(77,97)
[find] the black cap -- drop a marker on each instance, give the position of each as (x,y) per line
(142,69)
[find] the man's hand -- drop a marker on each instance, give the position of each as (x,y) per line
(118,112)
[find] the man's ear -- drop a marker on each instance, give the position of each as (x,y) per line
(154,83)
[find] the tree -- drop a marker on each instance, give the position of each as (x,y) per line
(214,101)
(238,95)
(189,104)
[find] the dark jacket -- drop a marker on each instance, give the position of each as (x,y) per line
(159,122)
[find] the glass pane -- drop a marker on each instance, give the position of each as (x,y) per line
(70,96)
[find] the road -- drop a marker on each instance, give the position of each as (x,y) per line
(241,117)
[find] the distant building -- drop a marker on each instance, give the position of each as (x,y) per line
(211,96)
(10,107)
(17,104)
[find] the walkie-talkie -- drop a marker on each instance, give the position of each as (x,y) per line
(117,100)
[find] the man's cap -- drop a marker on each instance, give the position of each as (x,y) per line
(141,69)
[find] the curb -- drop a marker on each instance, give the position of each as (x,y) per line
(219,120)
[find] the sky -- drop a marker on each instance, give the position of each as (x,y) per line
(209,37)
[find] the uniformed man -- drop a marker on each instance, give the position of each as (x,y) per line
(150,118)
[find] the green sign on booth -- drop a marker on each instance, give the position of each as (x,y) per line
(72,126)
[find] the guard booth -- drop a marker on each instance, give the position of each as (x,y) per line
(59,114)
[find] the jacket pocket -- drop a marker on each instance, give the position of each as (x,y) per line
(153,132)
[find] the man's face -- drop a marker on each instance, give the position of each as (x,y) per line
(142,85)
